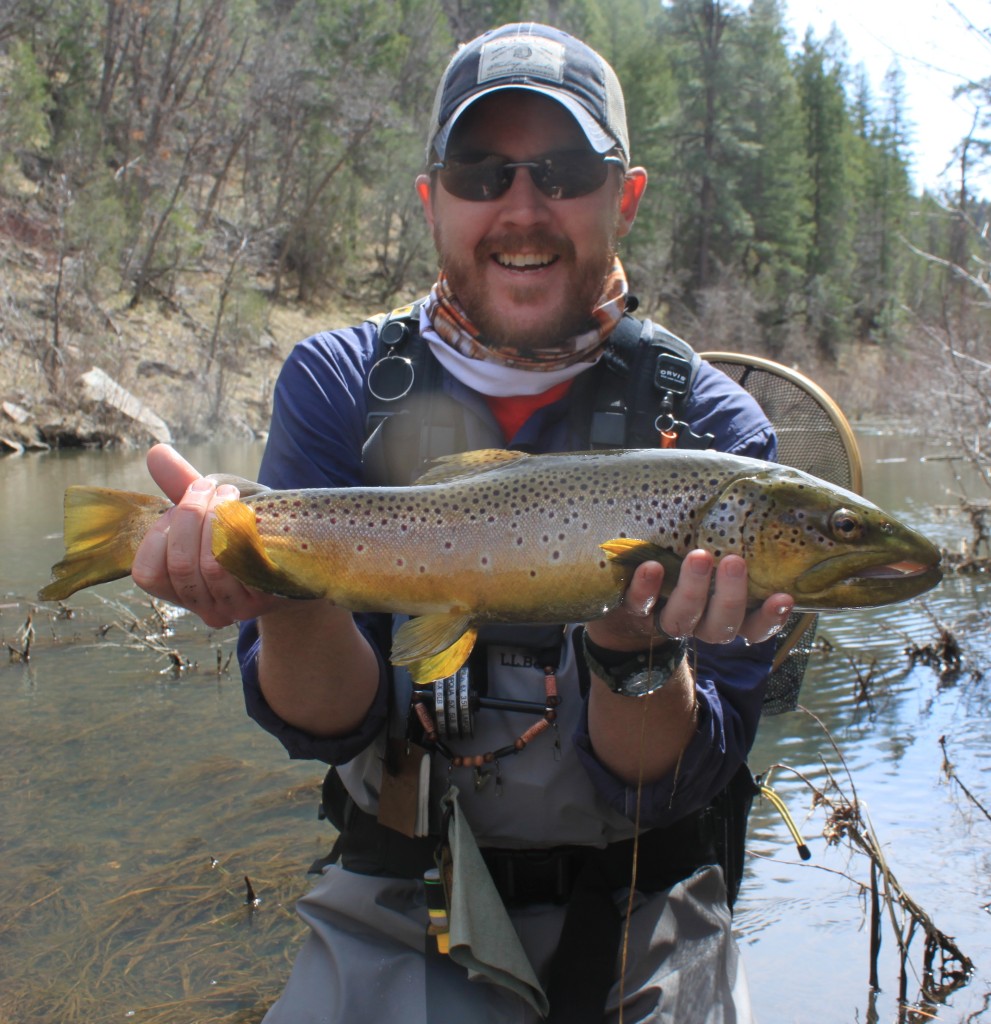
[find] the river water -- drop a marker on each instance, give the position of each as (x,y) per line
(154,839)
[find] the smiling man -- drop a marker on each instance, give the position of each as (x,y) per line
(493,824)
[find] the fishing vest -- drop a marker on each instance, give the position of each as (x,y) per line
(632,398)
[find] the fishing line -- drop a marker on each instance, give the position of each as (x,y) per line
(625,948)
(635,860)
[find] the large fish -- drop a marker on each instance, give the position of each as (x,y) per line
(499,536)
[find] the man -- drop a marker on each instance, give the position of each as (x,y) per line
(528,190)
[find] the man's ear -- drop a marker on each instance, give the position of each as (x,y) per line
(425,192)
(634,184)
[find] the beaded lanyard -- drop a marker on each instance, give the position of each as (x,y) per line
(452,698)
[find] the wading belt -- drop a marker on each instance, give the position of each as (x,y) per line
(582,970)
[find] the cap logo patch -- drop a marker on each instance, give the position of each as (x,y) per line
(521,57)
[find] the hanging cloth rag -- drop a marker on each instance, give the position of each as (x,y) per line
(482,937)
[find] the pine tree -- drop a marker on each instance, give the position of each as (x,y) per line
(829,267)
(774,181)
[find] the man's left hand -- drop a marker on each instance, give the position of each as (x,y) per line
(708,602)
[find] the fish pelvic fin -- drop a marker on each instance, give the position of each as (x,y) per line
(239,548)
(434,646)
(102,531)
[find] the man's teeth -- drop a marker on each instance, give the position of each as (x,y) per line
(524,259)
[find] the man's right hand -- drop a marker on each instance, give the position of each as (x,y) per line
(175,562)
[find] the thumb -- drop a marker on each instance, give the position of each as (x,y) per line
(170,471)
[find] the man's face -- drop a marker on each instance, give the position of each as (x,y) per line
(527,269)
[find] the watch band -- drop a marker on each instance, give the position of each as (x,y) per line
(633,673)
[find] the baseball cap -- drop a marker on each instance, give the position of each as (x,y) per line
(540,59)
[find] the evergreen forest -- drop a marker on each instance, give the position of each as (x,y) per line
(269,146)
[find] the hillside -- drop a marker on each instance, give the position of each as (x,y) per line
(53,332)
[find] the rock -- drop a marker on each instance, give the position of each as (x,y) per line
(101,389)
(14,412)
(17,433)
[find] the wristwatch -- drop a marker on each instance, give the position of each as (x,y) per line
(634,673)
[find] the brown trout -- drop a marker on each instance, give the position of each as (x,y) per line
(503,537)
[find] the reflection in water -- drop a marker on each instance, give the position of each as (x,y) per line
(806,927)
(137,797)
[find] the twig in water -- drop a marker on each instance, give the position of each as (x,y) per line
(24,637)
(846,819)
(949,772)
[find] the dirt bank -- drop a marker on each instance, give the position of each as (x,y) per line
(174,372)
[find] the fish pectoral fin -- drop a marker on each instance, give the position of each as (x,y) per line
(468,464)
(630,552)
(238,547)
(434,646)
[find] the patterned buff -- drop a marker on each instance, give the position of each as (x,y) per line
(453,326)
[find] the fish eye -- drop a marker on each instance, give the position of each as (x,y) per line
(846,525)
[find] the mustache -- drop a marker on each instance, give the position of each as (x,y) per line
(526,241)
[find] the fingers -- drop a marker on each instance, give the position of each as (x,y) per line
(633,625)
(708,602)
(712,604)
(175,561)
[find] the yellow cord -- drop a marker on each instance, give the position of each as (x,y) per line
(779,806)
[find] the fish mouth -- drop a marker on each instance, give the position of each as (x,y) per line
(895,571)
(846,582)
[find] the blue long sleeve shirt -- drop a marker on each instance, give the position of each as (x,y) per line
(317,432)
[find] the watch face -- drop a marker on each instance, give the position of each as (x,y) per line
(641,683)
(642,672)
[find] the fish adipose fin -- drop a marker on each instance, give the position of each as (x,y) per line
(468,464)
(434,646)
(103,529)
(238,547)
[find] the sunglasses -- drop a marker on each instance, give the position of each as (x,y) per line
(567,174)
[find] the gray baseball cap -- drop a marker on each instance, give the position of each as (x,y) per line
(540,59)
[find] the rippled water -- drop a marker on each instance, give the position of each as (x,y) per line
(136,796)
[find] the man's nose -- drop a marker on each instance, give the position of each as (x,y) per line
(523,202)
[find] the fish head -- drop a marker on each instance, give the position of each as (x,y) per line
(827,547)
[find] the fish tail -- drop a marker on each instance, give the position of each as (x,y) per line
(239,548)
(102,530)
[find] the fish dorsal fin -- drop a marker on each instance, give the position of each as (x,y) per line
(246,488)
(468,464)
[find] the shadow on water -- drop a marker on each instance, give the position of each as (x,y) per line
(137,797)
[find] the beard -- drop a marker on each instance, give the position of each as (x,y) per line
(530,323)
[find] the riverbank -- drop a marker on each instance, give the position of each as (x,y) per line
(84,367)
(197,357)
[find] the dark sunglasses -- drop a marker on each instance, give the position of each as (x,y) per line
(567,174)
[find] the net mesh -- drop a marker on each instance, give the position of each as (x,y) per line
(813,436)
